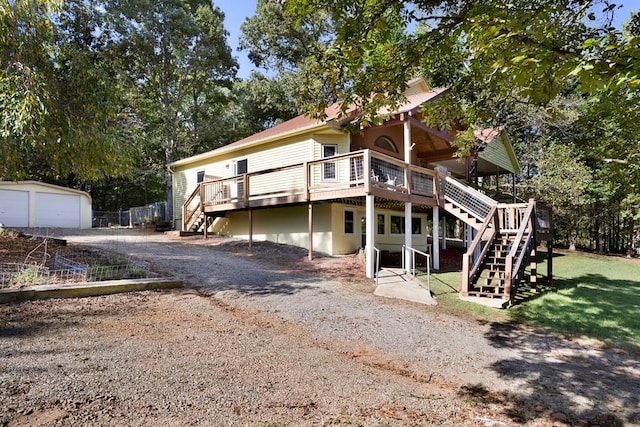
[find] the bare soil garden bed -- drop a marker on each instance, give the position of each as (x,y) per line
(31,260)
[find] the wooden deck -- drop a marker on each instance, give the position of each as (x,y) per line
(348,176)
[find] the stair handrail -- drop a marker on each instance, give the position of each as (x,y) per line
(412,268)
(377,261)
(512,269)
(469,271)
(186,214)
(482,198)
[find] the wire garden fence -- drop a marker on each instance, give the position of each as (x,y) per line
(68,270)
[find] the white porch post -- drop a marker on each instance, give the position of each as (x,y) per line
(407,206)
(436,238)
(370,242)
(310,228)
(408,235)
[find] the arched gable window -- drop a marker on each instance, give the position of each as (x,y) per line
(386,143)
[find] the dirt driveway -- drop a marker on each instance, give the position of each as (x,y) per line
(264,337)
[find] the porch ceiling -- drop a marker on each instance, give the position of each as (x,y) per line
(388,204)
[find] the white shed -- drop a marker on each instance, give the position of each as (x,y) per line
(37,204)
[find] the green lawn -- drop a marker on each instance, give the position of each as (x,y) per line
(591,297)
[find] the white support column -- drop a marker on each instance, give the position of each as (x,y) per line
(407,206)
(436,238)
(408,235)
(310,228)
(370,242)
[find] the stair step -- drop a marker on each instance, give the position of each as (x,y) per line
(486,294)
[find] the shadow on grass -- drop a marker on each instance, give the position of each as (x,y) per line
(587,384)
(590,305)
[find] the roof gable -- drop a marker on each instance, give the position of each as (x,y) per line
(498,149)
(418,92)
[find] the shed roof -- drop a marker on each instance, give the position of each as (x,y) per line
(8,184)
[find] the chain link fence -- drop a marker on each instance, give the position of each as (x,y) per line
(139,215)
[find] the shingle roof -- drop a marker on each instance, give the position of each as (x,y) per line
(303,122)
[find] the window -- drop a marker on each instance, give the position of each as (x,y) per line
(416,225)
(329,169)
(397,224)
(386,143)
(200,176)
(381,227)
(348,222)
(240,167)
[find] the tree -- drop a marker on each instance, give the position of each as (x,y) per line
(519,49)
(278,41)
(58,121)
(608,133)
(279,44)
(175,58)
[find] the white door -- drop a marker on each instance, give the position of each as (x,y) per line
(57,210)
(239,167)
(14,208)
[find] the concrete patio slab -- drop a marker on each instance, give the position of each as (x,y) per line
(395,283)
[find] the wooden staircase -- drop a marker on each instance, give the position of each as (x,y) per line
(505,242)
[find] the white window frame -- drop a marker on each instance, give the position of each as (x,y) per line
(234,166)
(391,233)
(326,166)
(353,222)
(237,187)
(384,224)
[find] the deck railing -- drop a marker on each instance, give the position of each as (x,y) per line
(472,201)
(472,259)
(410,254)
(366,170)
(525,239)
(191,209)
(511,216)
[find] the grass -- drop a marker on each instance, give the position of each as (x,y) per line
(591,297)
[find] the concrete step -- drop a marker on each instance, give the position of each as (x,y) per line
(395,283)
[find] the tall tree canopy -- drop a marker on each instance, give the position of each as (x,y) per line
(280,45)
(175,58)
(59,118)
(526,49)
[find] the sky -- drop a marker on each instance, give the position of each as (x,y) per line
(236,11)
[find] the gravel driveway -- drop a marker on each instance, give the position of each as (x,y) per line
(258,340)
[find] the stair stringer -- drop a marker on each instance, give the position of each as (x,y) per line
(503,263)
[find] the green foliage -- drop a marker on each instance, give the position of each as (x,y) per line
(277,41)
(593,298)
(30,275)
(266,101)
(58,99)
(521,49)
